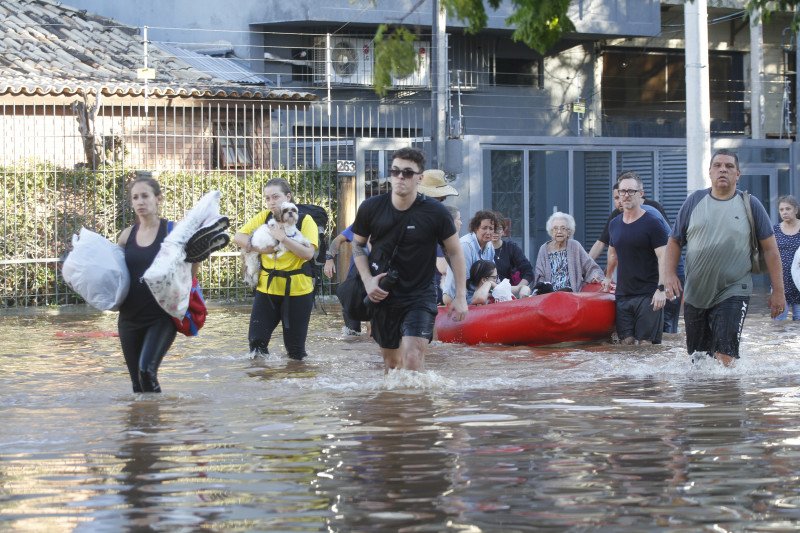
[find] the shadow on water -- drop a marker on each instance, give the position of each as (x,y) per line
(583,437)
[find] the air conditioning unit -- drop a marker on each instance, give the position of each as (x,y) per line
(351,61)
(421,76)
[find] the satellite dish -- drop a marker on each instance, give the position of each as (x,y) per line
(344,58)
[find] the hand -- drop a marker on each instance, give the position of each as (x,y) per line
(458,309)
(659,300)
(329,269)
(672,287)
(277,232)
(605,284)
(374,291)
(777,303)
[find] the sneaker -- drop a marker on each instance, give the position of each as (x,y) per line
(202,248)
(206,232)
(347,332)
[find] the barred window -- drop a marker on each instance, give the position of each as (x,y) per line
(233,145)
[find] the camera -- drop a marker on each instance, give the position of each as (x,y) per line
(386,283)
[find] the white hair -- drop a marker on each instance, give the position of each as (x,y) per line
(566,217)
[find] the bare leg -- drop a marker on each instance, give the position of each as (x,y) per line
(392,357)
(413,349)
(409,356)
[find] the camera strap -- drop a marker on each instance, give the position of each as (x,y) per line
(401,233)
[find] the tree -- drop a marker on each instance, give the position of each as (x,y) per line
(538,23)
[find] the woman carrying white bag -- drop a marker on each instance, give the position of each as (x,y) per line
(146,330)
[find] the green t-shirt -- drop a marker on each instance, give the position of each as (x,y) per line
(717,238)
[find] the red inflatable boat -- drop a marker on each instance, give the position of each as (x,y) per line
(535,321)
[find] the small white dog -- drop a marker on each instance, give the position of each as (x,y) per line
(262,238)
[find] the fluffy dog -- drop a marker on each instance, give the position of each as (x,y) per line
(262,238)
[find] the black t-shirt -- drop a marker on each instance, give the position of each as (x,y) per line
(652,203)
(635,244)
(428,224)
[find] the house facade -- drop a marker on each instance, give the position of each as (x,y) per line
(87,104)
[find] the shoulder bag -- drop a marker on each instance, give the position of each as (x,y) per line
(757,263)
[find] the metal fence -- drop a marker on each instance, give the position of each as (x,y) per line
(66,165)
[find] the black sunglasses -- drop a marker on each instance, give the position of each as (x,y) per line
(407,173)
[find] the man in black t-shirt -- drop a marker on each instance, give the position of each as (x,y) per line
(638,240)
(404,316)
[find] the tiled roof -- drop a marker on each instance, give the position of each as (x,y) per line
(51,49)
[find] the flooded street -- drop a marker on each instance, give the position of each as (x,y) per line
(588,437)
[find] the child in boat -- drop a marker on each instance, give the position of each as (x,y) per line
(482,279)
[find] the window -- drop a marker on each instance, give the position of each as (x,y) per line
(518,72)
(648,90)
(232,146)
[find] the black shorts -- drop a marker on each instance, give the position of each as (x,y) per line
(391,324)
(718,329)
(636,318)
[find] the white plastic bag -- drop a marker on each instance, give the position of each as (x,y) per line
(170,277)
(96,269)
(502,291)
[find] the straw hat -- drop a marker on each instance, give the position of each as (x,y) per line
(434,185)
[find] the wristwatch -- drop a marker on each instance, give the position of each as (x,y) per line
(329,257)
(660,287)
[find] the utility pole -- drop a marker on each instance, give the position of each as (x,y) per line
(756,76)
(438,84)
(698,104)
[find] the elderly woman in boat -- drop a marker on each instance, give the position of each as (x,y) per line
(562,262)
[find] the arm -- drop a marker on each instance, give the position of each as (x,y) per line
(330,264)
(361,260)
(660,297)
(541,257)
(302,250)
(597,249)
(672,284)
(458,307)
(122,240)
(441,265)
(772,256)
(481,294)
(611,266)
(592,273)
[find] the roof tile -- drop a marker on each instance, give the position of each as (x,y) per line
(49,48)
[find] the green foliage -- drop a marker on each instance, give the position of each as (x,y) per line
(43,206)
(394,55)
(539,23)
(764,8)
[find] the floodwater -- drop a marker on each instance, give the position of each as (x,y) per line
(591,437)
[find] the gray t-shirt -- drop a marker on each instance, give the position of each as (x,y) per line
(717,238)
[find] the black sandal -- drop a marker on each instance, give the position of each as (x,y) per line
(201,248)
